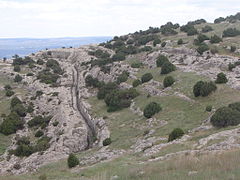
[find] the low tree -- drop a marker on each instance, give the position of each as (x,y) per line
(175,134)
(146,77)
(225,116)
(72,161)
(18,78)
(161,60)
(233,48)
(136,83)
(180,41)
(215,39)
(151,109)
(17,68)
(221,78)
(107,141)
(168,81)
(167,67)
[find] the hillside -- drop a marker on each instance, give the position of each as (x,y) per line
(157,103)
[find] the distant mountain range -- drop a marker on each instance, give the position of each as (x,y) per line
(25,46)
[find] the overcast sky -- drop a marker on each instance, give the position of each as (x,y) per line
(75,18)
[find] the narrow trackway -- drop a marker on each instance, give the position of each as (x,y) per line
(77,105)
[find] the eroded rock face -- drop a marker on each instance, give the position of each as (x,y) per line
(71,135)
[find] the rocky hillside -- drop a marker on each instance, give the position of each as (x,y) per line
(161,102)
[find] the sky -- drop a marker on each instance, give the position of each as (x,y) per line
(78,18)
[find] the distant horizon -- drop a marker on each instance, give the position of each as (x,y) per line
(70,37)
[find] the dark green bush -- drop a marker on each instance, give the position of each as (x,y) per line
(11,124)
(47,77)
(123,77)
(225,116)
(7,87)
(9,93)
(14,101)
(203,88)
(136,65)
(231,66)
(119,57)
(39,133)
(167,67)
(207,88)
(55,123)
(221,78)
(215,39)
(30,74)
(233,48)
(197,88)
(175,134)
(168,81)
(201,38)
(235,106)
(163,44)
(39,121)
(20,110)
(180,41)
(136,83)
(231,32)
(107,142)
(72,161)
(18,78)
(219,20)
(192,31)
(151,109)
(156,41)
(209,108)
(161,60)
(40,62)
(207,28)
(106,89)
(202,48)
(17,68)
(146,77)
(42,144)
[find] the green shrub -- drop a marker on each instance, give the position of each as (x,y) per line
(175,134)
(136,83)
(7,87)
(156,41)
(42,177)
(17,68)
(47,77)
(209,108)
(151,109)
(18,78)
(197,88)
(30,74)
(146,49)
(231,66)
(201,38)
(163,44)
(192,31)
(161,60)
(20,110)
(207,88)
(106,89)
(42,144)
(23,150)
(30,108)
(202,48)
(167,67)
(146,77)
(11,124)
(107,142)
(39,121)
(207,28)
(180,41)
(136,65)
(235,106)
(40,62)
(203,88)
(215,39)
(55,123)
(233,48)
(39,133)
(225,116)
(119,56)
(221,78)
(72,161)
(9,93)
(123,77)
(14,101)
(168,81)
(231,32)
